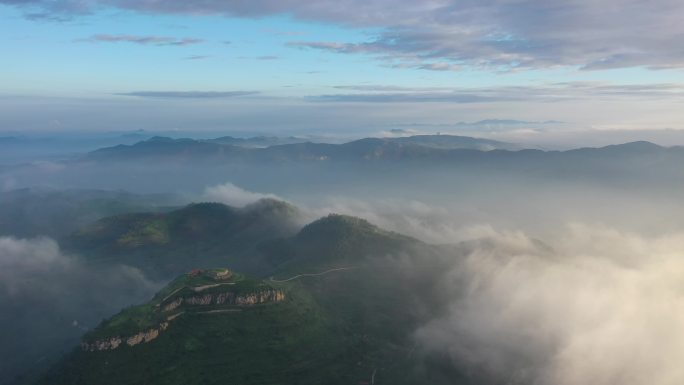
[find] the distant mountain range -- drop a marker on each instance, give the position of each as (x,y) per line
(20,149)
(419,147)
(468,153)
(369,165)
(256,141)
(292,149)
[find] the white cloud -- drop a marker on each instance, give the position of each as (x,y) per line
(606,308)
(446,34)
(47,299)
(233,195)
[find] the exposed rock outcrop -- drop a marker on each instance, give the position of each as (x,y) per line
(146,336)
(173,305)
(115,342)
(109,344)
(228,298)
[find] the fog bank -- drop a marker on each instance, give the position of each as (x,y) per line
(48,299)
(604,307)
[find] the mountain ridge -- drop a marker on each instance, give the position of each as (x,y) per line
(199,234)
(331,310)
(446,150)
(366,148)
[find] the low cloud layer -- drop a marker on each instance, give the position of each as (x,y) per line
(596,306)
(48,299)
(604,308)
(143,40)
(233,195)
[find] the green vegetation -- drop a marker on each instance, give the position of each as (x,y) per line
(330,242)
(201,235)
(339,327)
(150,315)
(127,323)
(292,338)
(154,231)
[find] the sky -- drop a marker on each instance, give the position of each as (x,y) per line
(549,72)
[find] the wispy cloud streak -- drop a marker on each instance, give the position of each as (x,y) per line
(143,40)
(448,35)
(189,94)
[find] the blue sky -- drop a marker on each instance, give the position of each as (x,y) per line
(235,53)
(346,65)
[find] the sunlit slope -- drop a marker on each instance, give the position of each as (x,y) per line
(333,241)
(199,235)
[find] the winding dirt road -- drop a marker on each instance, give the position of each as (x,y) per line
(313,274)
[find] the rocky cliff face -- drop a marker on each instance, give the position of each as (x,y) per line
(227,298)
(109,344)
(115,342)
(173,305)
